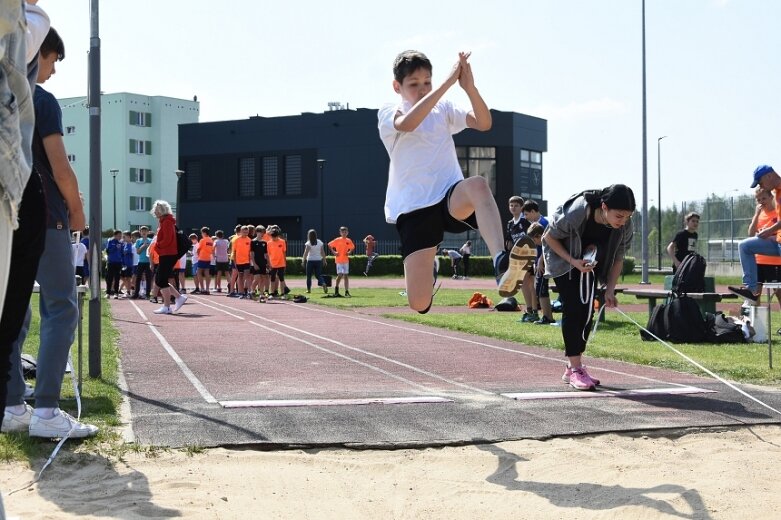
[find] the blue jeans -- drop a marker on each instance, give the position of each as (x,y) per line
(59,317)
(755,246)
(316,267)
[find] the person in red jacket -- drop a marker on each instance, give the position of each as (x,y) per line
(166,248)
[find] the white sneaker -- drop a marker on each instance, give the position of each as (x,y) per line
(180,301)
(165,309)
(17,423)
(59,426)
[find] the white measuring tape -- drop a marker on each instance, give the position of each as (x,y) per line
(690,360)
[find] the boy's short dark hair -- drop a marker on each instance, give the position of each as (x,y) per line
(408,62)
(117,232)
(531,205)
(219,233)
(143,228)
(516,198)
(343,228)
(690,216)
(535,229)
(204,229)
(53,43)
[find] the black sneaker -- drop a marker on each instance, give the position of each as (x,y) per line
(744,292)
(287,290)
(544,321)
(347,294)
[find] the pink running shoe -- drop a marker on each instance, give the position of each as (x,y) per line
(579,380)
(568,373)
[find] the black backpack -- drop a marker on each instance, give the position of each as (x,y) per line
(182,243)
(690,276)
(507,304)
(683,321)
(722,330)
(655,324)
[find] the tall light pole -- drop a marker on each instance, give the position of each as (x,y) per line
(659,200)
(179,174)
(644,227)
(95,192)
(321,167)
(114,176)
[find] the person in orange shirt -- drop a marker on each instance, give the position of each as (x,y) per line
(277,257)
(154,259)
(241,250)
(205,251)
(341,247)
(768,267)
(233,291)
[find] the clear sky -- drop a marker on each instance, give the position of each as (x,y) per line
(713,72)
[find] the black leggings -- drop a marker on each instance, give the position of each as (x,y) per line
(576,315)
(29,239)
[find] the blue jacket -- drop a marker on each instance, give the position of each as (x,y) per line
(114,251)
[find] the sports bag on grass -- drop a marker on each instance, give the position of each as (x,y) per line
(655,324)
(690,275)
(683,321)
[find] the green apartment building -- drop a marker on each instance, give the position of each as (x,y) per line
(140,152)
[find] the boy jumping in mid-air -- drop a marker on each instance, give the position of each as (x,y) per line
(427,193)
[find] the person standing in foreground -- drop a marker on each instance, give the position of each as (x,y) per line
(427,193)
(165,245)
(764,242)
(598,222)
(58,305)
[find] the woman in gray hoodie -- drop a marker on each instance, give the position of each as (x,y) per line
(586,240)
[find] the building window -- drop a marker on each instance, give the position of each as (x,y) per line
(140,118)
(270,176)
(193,182)
(247,177)
(140,203)
(142,175)
(531,174)
(71,157)
(478,161)
(293,176)
(70,130)
(140,147)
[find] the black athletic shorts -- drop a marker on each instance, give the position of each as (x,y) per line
(223,267)
(261,270)
(277,272)
(425,228)
(242,267)
(165,270)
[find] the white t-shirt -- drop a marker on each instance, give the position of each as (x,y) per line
(315,251)
(221,250)
(423,163)
(79,252)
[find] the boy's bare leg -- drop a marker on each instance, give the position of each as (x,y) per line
(474,195)
(547,311)
(346,283)
(419,278)
(528,294)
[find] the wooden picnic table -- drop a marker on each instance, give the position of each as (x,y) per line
(654,294)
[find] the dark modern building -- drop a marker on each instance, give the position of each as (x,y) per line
(326,170)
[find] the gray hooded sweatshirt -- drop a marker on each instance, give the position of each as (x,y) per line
(567,225)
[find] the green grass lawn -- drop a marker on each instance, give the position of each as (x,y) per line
(616,338)
(100,397)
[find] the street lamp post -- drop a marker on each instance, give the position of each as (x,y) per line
(321,167)
(659,201)
(179,174)
(114,175)
(644,227)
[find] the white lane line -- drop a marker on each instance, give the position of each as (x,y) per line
(276,403)
(640,392)
(207,396)
(557,360)
(356,349)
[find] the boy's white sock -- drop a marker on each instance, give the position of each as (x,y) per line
(44,413)
(17,409)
